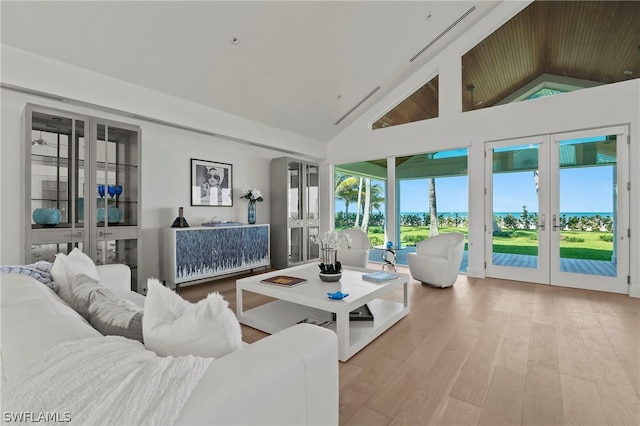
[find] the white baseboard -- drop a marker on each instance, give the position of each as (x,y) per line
(475,272)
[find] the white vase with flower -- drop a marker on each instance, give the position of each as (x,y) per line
(253,195)
(330,242)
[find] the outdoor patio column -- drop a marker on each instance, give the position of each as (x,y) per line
(391,225)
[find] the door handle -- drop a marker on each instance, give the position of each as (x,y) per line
(555,218)
(541,224)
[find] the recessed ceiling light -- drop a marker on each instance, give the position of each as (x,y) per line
(235,41)
(429,15)
(339,97)
(627,72)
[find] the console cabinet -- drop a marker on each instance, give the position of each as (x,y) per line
(81,187)
(295,211)
(198,253)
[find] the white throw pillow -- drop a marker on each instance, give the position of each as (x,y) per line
(59,275)
(172,326)
(67,267)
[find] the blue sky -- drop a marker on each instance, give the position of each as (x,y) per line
(581,190)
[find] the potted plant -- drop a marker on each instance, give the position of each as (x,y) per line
(330,242)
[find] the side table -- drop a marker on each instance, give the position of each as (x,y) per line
(389,256)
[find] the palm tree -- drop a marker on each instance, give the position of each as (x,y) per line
(367,205)
(358,203)
(347,191)
(433,210)
(376,198)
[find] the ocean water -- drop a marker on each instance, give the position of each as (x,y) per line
(515,214)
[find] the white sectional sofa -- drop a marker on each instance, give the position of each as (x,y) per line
(287,378)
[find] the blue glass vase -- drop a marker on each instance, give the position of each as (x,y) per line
(251,212)
(46,217)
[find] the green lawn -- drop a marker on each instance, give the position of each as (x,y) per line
(574,244)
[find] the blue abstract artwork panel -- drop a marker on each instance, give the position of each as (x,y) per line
(207,252)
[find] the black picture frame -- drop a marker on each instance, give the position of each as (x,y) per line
(211,183)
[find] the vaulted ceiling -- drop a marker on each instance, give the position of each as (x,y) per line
(309,67)
(575,43)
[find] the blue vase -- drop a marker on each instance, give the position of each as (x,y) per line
(251,212)
(114,214)
(46,217)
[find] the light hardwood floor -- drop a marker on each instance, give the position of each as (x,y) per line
(491,352)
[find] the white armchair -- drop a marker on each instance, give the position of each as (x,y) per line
(358,253)
(437,259)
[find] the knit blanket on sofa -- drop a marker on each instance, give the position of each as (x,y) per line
(105,381)
(41,271)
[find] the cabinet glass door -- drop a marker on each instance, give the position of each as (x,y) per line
(116,176)
(295,242)
(312,192)
(55,167)
(55,146)
(294,185)
(116,180)
(312,248)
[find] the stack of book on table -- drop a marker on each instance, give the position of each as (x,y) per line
(363,313)
(316,321)
(380,276)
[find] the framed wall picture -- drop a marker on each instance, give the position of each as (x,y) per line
(211,183)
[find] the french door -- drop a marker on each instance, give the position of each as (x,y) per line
(557,209)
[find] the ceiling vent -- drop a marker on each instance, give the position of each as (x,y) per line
(357,105)
(467,13)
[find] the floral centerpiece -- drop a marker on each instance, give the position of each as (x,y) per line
(252,195)
(330,242)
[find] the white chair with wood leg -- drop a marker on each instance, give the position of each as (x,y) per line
(437,259)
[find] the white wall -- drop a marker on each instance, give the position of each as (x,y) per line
(166,151)
(607,105)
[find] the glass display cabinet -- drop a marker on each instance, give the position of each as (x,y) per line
(295,211)
(82,187)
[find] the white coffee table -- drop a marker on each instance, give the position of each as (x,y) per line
(310,300)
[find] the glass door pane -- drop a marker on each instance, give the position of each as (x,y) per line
(587,195)
(122,176)
(313,249)
(117,191)
(516,220)
(102,177)
(313,196)
(432,191)
(589,213)
(294,183)
(51,164)
(79,184)
(350,204)
(295,245)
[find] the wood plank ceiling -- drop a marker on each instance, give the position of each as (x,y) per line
(421,105)
(598,41)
